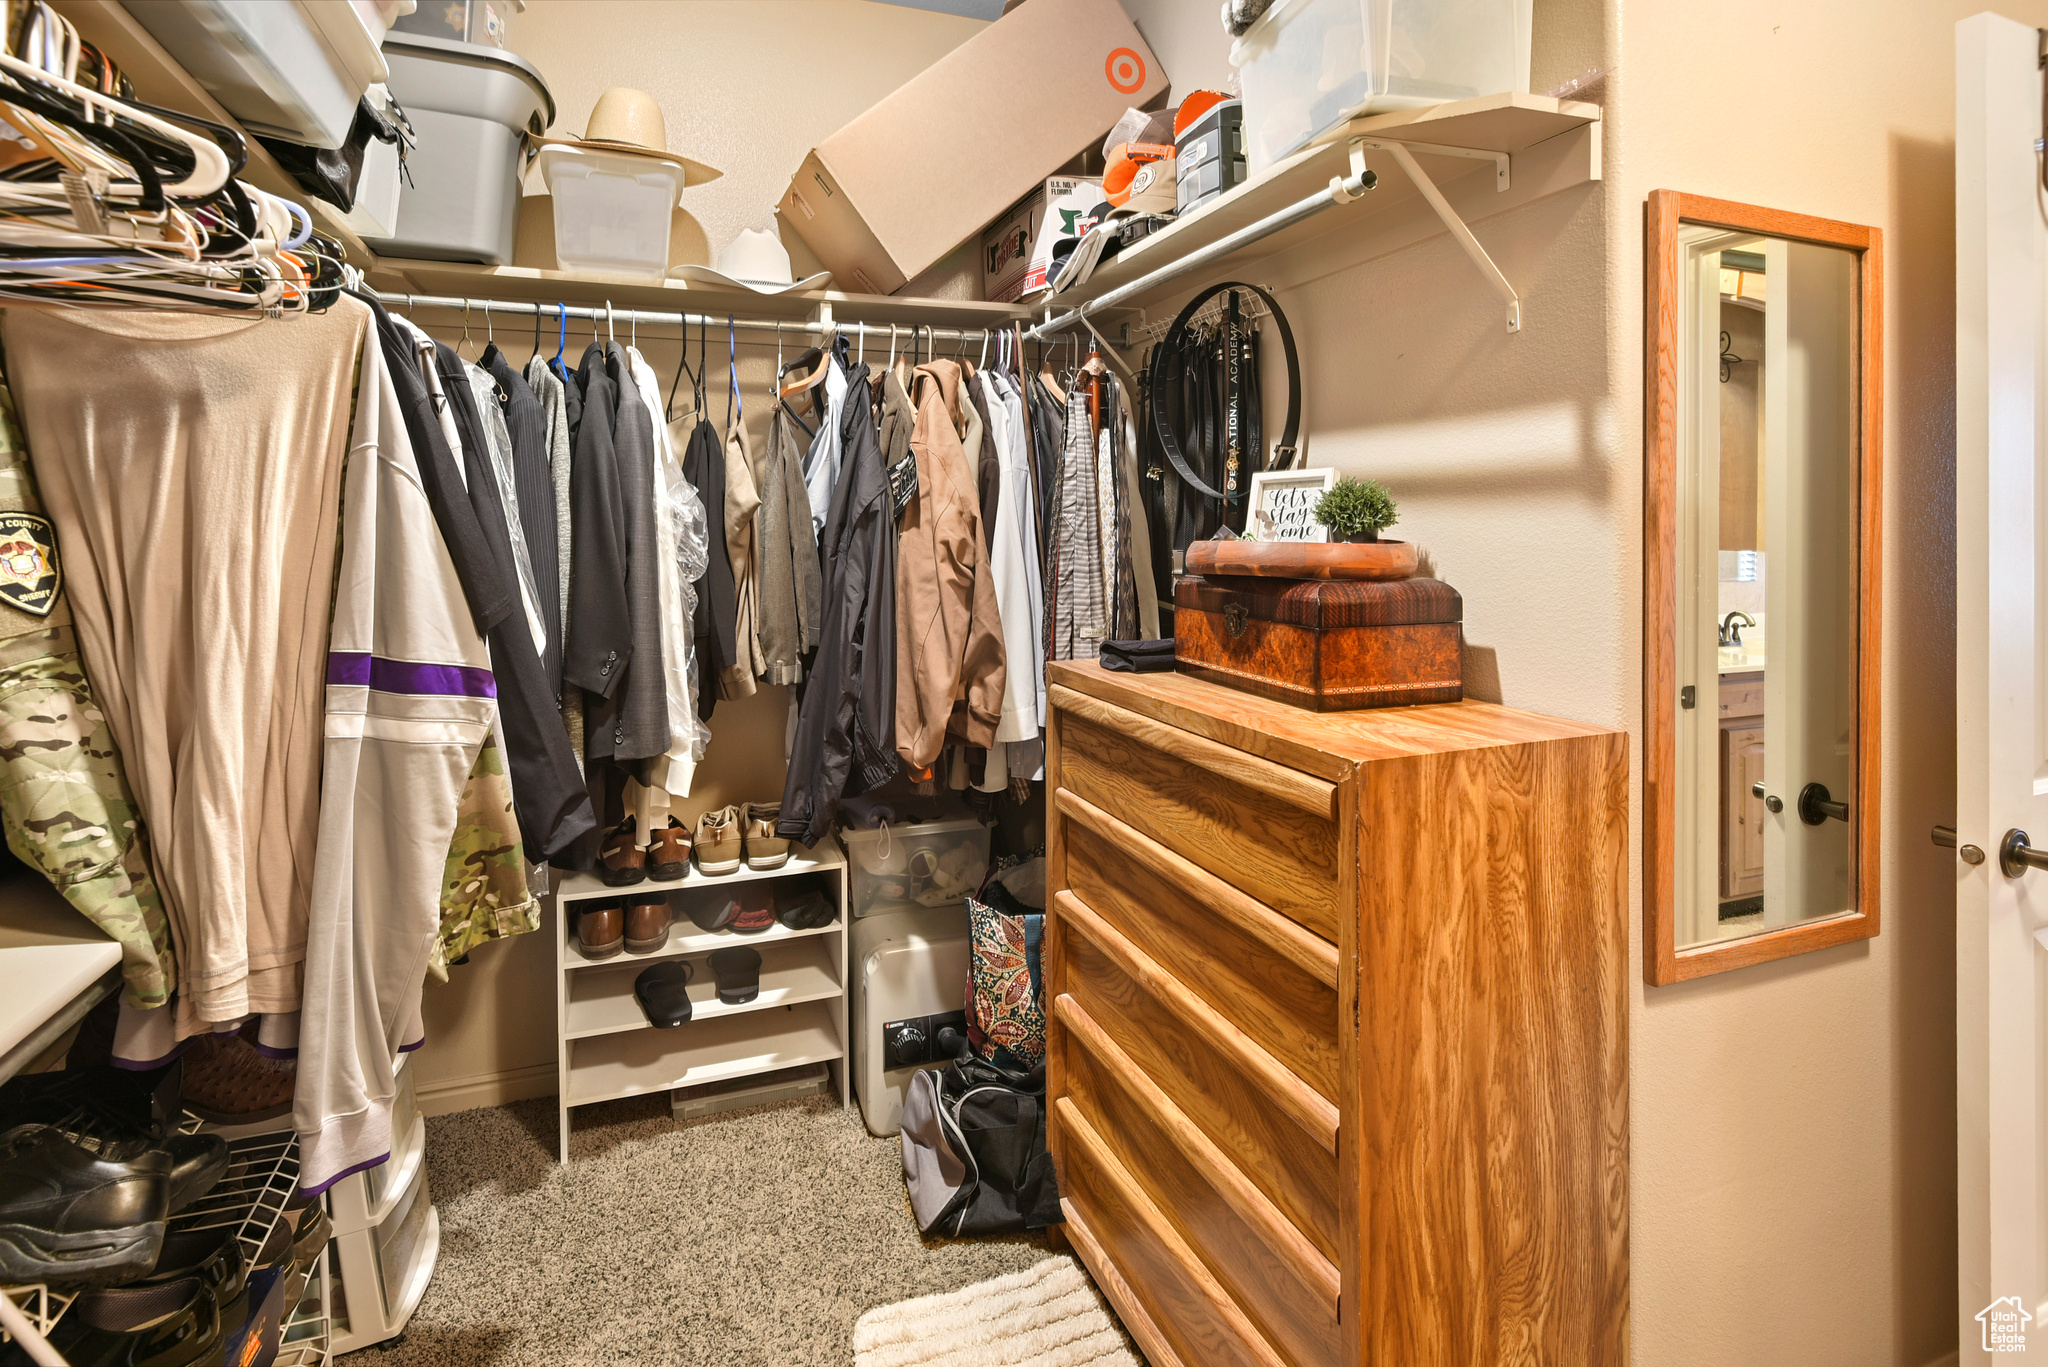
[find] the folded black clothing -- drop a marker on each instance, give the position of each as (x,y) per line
(1138,657)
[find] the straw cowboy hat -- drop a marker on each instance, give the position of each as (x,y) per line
(755,260)
(629,121)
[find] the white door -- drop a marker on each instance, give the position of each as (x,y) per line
(2001,686)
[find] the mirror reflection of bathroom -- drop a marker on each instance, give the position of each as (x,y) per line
(1767,649)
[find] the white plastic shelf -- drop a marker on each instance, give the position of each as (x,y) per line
(684,939)
(605,1047)
(793,970)
(608,1067)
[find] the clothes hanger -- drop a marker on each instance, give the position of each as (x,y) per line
(209,162)
(610,333)
(682,366)
(732,375)
(536,335)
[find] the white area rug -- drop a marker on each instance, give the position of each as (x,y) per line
(1045,1316)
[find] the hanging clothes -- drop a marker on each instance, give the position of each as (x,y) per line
(742,500)
(528,423)
(988,460)
(826,457)
(447,442)
(717,648)
(485,892)
(846,726)
(679,548)
(949,645)
(64,794)
(599,643)
(483,397)
(641,729)
(553,395)
(787,550)
(1137,528)
(410,702)
(1016,603)
(191,465)
(1080,621)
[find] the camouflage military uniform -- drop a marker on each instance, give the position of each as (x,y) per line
(484,894)
(64,797)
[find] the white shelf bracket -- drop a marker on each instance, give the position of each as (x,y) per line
(1450,218)
(821,318)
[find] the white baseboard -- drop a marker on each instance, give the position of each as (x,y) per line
(486,1089)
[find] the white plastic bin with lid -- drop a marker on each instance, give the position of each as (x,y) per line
(612,210)
(921,864)
(285,70)
(1309,65)
(472,107)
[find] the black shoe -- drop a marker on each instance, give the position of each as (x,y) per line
(212,1254)
(101,1107)
(161,1324)
(72,1215)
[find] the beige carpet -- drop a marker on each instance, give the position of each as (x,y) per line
(754,1239)
(1045,1316)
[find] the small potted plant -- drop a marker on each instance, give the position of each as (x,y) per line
(1355,510)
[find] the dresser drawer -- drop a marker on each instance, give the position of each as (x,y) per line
(1258,970)
(1279,1279)
(1205,1327)
(1258,826)
(1277,1129)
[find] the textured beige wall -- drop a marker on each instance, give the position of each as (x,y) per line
(1793,1149)
(1793,1124)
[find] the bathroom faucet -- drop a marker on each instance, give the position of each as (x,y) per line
(1731,630)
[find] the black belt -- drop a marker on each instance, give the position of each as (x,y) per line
(1175,336)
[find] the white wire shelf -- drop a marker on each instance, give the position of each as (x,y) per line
(262,1173)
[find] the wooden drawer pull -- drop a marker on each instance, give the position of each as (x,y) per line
(1136,1318)
(1291,786)
(1279,1232)
(1082,1135)
(1308,951)
(1296,1099)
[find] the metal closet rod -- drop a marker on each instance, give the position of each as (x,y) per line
(618,318)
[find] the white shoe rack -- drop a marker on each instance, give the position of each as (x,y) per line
(606,1049)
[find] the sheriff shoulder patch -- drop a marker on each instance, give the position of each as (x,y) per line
(29,575)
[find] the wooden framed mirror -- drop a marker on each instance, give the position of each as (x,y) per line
(1762,518)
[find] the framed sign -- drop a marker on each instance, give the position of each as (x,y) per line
(1283,505)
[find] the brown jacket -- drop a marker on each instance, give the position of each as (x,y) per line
(949,643)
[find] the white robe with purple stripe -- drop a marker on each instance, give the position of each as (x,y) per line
(410,699)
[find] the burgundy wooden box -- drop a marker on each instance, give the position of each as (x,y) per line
(1326,644)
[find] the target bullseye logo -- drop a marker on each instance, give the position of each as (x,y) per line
(1126,71)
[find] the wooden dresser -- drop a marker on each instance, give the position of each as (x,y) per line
(1338,1065)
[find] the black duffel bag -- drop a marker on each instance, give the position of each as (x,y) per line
(974,1154)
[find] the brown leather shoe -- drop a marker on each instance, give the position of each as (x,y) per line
(601,929)
(668,854)
(647,919)
(718,841)
(624,862)
(228,1081)
(764,849)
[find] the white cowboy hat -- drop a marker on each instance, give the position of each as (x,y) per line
(630,121)
(755,260)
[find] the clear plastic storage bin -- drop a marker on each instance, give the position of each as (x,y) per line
(612,210)
(1309,65)
(928,864)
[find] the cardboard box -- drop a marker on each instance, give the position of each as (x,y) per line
(1016,250)
(920,173)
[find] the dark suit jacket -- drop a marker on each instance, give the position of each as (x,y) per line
(640,731)
(599,649)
